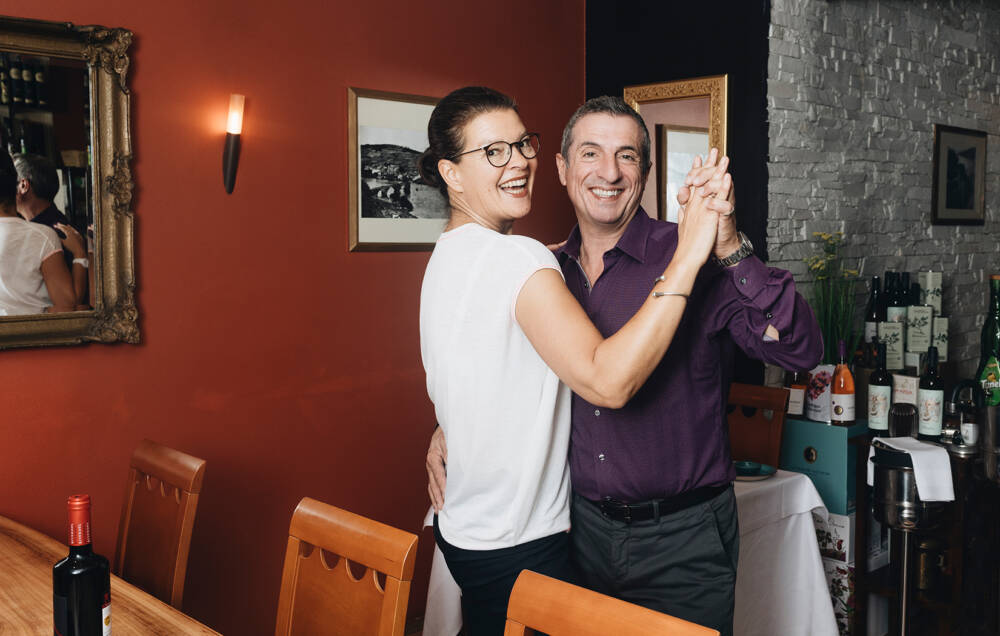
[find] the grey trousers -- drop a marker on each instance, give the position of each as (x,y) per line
(684,564)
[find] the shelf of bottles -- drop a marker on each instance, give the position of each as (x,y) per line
(45,110)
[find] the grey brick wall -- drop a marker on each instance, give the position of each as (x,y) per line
(854,89)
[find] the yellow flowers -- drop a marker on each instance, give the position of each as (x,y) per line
(832,294)
(827,264)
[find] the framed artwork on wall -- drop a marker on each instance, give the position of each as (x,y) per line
(390,208)
(959,190)
(676,148)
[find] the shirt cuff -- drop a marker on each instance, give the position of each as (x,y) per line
(749,276)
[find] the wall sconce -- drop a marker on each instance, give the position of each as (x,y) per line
(231,151)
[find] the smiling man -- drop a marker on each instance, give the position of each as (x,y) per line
(653,510)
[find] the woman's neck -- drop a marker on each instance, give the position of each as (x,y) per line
(461,214)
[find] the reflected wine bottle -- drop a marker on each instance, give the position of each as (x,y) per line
(81,583)
(842,391)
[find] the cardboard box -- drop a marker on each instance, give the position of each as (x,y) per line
(840,580)
(930,290)
(836,536)
(821,452)
(939,337)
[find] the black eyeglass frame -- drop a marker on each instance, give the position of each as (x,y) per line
(510,149)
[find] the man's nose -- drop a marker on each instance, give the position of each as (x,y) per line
(609,170)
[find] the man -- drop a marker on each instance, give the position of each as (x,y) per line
(37,186)
(653,509)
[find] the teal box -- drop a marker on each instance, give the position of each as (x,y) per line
(821,451)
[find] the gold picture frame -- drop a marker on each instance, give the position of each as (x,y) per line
(114,317)
(389,206)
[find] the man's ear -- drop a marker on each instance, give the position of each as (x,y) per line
(561,167)
(449,172)
(23,186)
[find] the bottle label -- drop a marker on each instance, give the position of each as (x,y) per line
(929,410)
(918,328)
(796,400)
(891,333)
(843,407)
(939,337)
(106,616)
(871,331)
(895,314)
(879,398)
(989,379)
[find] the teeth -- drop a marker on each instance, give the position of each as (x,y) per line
(516,183)
(605,193)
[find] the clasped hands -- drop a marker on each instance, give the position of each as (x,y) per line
(710,180)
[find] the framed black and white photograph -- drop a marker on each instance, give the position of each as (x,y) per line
(390,206)
(676,148)
(959,191)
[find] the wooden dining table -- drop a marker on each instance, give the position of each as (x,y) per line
(26,560)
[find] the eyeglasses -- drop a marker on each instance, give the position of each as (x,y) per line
(499,153)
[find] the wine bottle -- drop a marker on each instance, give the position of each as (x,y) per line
(41,94)
(81,583)
(4,80)
(842,391)
(879,394)
(895,310)
(930,400)
(796,382)
(904,289)
(28,79)
(16,85)
(988,373)
(874,311)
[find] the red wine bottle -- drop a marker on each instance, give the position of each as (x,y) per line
(81,583)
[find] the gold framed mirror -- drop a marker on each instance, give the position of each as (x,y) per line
(95,178)
(684,118)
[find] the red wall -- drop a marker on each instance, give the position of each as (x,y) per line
(289,364)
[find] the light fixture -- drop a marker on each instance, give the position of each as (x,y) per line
(231,151)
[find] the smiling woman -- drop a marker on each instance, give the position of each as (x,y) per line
(65,104)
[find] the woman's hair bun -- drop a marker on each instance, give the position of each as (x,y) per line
(427,165)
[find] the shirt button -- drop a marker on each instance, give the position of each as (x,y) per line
(586,284)
(743,280)
(601,457)
(769,316)
(597,412)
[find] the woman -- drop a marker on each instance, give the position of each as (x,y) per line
(33,274)
(499,330)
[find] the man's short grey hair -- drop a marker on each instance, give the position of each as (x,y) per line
(40,173)
(614,106)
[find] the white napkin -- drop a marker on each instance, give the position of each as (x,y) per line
(931,467)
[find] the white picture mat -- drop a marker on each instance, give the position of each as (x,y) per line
(682,148)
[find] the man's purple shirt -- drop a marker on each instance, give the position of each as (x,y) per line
(672,437)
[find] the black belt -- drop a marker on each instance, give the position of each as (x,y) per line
(621,511)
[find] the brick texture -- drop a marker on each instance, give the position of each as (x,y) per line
(854,90)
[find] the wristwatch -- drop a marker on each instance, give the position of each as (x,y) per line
(746,249)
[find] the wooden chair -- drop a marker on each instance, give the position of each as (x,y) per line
(757,436)
(154,534)
(548,605)
(320,592)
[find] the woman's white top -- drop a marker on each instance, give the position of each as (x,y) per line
(505,414)
(23,247)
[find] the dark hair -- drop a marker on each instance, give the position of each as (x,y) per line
(8,178)
(614,106)
(40,173)
(447,123)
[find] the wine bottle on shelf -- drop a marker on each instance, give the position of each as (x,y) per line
(842,391)
(4,80)
(28,79)
(879,394)
(16,84)
(930,400)
(895,310)
(904,289)
(41,94)
(796,382)
(988,372)
(874,310)
(81,583)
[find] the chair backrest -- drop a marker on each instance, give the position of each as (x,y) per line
(154,533)
(557,608)
(324,591)
(756,437)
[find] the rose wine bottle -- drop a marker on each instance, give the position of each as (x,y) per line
(81,583)
(842,391)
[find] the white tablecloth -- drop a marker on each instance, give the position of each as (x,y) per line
(780,585)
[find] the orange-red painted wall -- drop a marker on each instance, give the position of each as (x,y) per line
(289,364)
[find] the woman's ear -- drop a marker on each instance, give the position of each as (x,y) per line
(451,175)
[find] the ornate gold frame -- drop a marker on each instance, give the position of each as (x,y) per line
(713,87)
(115,316)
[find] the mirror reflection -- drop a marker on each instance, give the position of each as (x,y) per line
(47,236)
